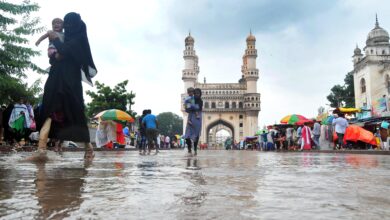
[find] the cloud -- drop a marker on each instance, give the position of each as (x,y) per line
(304,46)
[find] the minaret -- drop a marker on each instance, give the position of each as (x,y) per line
(191,68)
(251,97)
(357,55)
(251,74)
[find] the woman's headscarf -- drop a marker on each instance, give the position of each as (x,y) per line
(75,29)
(198,99)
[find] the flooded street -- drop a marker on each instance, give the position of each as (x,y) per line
(213,185)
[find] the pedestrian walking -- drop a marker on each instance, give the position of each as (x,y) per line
(289,137)
(150,124)
(167,142)
(316,134)
(63,111)
(306,141)
(142,133)
(194,121)
(340,125)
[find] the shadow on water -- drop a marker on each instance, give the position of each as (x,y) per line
(58,190)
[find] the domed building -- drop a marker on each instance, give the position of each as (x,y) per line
(233,107)
(371,73)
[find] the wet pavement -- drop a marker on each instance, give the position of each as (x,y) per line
(213,185)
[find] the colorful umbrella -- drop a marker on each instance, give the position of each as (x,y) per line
(114,114)
(294,119)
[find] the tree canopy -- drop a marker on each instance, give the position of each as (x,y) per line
(170,124)
(110,98)
(343,96)
(16,24)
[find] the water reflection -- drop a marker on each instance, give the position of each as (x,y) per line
(58,190)
(213,185)
(192,164)
(361,161)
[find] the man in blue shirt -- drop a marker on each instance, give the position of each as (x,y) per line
(150,124)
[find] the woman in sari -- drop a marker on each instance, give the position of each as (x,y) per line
(306,138)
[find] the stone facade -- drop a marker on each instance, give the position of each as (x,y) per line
(231,106)
(371,73)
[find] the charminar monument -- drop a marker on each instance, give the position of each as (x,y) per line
(230,106)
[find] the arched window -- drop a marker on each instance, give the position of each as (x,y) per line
(234,105)
(240,105)
(213,105)
(363,85)
(227,105)
(206,105)
(383,52)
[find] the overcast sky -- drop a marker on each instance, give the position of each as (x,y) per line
(304,46)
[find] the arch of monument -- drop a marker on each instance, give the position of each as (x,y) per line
(234,106)
(213,128)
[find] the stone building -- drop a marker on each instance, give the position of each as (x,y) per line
(371,73)
(230,106)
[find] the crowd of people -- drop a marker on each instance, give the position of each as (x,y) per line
(148,136)
(17,122)
(312,135)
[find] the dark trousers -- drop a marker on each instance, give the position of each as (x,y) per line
(340,138)
(189,144)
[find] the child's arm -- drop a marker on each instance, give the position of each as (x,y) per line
(43,37)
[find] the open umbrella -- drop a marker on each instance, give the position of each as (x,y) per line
(294,119)
(114,114)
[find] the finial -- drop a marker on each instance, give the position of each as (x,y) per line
(376,20)
(250,31)
(357,45)
(204,80)
(189,32)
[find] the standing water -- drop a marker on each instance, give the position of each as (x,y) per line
(213,185)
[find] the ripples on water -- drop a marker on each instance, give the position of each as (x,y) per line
(213,185)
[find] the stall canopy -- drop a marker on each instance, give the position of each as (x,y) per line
(355,133)
(348,110)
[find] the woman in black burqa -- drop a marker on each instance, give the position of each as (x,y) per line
(62,114)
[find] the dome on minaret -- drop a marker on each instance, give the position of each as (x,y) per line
(189,39)
(250,37)
(357,51)
(377,36)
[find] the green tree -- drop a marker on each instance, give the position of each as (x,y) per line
(110,98)
(170,124)
(343,96)
(15,54)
